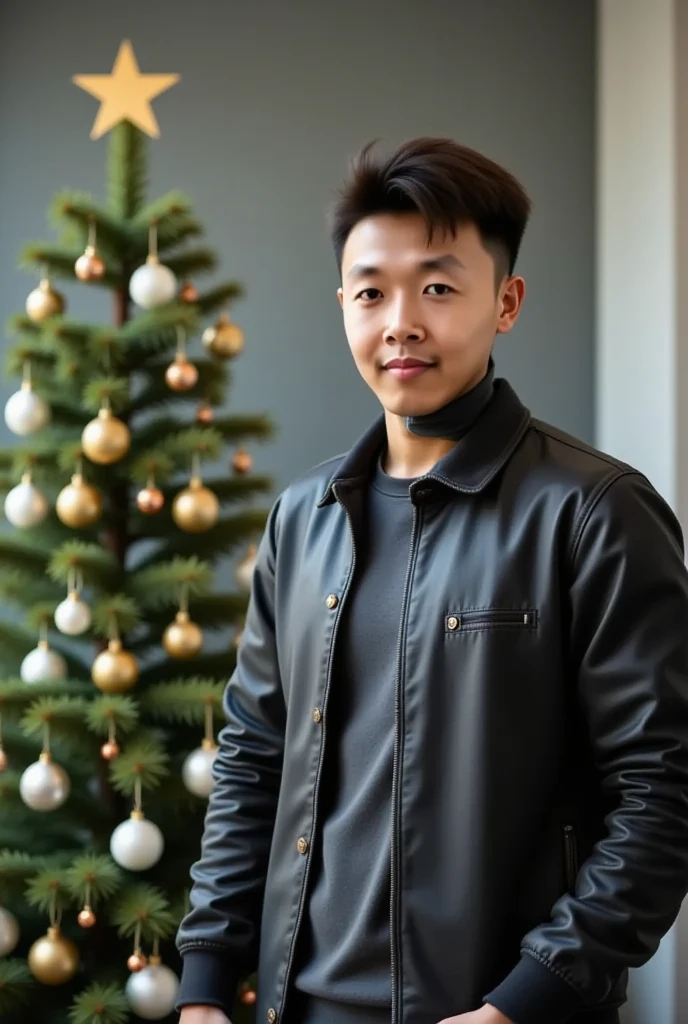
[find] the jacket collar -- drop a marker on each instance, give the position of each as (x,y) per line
(467,468)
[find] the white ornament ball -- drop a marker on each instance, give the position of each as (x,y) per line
(41,665)
(25,506)
(246,568)
(9,932)
(73,616)
(44,786)
(137,844)
(152,992)
(197,770)
(26,412)
(152,285)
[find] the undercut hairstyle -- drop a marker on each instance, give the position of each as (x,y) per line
(448,184)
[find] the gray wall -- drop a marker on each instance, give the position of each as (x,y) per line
(274,98)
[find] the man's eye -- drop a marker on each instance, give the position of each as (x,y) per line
(366,290)
(442,286)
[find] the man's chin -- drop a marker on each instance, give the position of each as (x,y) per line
(409,406)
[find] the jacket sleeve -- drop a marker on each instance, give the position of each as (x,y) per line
(218,939)
(629,646)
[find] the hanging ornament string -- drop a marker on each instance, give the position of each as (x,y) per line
(55,914)
(43,632)
(26,382)
(91,244)
(209,738)
(195,466)
(137,795)
(46,740)
(153,241)
(184,598)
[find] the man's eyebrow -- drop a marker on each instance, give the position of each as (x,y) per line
(446,262)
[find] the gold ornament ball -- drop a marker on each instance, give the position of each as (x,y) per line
(44,301)
(53,959)
(204,413)
(223,338)
(79,504)
(181,375)
(86,917)
(109,750)
(188,292)
(242,461)
(3,760)
(150,500)
(105,439)
(196,508)
(89,266)
(115,670)
(136,962)
(182,638)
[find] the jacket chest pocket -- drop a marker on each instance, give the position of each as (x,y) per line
(474,619)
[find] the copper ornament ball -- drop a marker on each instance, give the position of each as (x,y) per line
(150,500)
(3,760)
(181,375)
(188,292)
(248,997)
(89,266)
(86,918)
(109,750)
(136,962)
(204,413)
(242,461)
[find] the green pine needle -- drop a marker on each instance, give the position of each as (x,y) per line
(92,878)
(153,463)
(75,208)
(145,905)
(192,262)
(117,608)
(219,296)
(16,982)
(160,585)
(184,700)
(126,170)
(48,889)
(112,708)
(116,389)
(204,441)
(97,567)
(100,1004)
(145,759)
(57,712)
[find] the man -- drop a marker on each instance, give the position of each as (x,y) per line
(453,783)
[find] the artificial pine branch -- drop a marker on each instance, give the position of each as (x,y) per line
(184,700)
(100,1004)
(16,985)
(112,710)
(145,906)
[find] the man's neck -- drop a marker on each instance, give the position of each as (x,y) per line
(408,456)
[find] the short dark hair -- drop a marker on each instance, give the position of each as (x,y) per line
(448,184)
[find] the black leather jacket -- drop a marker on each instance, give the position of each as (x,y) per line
(540,822)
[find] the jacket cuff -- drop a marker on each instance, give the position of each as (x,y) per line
(533,994)
(207,980)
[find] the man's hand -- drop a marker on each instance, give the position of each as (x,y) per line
(487,1014)
(203,1015)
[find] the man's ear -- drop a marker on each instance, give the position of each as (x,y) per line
(340,296)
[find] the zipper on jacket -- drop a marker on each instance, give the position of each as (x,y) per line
(486,617)
(335,630)
(395,858)
(570,857)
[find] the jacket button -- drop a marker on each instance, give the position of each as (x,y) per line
(272,1016)
(317,715)
(452,622)
(332,601)
(302,845)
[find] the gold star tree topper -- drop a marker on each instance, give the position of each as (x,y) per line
(125,94)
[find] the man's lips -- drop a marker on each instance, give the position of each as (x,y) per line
(406,369)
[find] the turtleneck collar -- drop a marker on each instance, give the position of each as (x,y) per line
(456,418)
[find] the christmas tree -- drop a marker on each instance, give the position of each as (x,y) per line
(117,635)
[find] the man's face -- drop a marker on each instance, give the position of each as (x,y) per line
(398,307)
